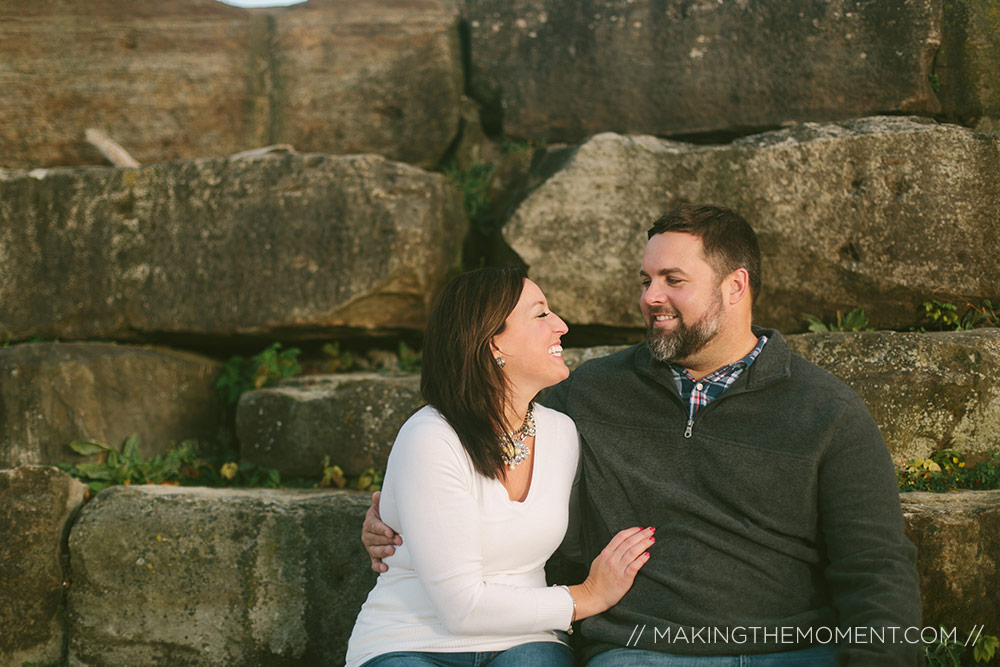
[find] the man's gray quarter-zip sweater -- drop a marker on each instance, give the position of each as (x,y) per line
(778,509)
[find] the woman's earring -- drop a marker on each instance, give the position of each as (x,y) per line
(501,362)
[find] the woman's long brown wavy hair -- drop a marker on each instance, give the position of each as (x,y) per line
(459,375)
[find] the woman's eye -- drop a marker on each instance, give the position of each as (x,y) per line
(543,314)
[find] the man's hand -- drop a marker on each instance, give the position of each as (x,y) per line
(377,537)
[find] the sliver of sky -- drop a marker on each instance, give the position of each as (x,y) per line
(262,3)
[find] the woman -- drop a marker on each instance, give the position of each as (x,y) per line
(478,483)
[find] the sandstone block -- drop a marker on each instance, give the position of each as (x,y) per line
(958,557)
(258,577)
(38,505)
(197,78)
(280,246)
(193,576)
(561,71)
(54,393)
(374,76)
(967,64)
(926,391)
(883,213)
(352,418)
(165,80)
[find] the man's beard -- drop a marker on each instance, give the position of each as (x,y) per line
(683,341)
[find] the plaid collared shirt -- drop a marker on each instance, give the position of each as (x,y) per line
(699,393)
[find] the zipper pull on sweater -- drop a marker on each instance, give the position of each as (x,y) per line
(687,431)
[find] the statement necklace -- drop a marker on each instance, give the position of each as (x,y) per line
(514,451)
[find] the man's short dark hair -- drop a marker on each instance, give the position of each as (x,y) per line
(729,241)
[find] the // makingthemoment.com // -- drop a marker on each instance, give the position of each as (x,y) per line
(795,635)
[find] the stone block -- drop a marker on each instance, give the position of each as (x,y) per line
(926,391)
(198,78)
(369,76)
(54,393)
(958,557)
(164,79)
(967,66)
(882,212)
(193,576)
(560,71)
(353,418)
(279,246)
(37,507)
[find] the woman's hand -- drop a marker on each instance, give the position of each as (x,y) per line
(613,571)
(378,538)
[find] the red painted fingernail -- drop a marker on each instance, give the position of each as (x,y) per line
(652,529)
(652,539)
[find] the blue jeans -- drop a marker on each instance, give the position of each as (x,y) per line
(532,653)
(816,656)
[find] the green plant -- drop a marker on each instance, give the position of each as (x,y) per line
(126,465)
(409,359)
(332,475)
(264,368)
(340,361)
(935,82)
(369,479)
(474,183)
(946,470)
(948,651)
(855,320)
(182,465)
(985,648)
(513,146)
(945,316)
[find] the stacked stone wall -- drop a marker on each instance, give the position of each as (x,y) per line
(858,138)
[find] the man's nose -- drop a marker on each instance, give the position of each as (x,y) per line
(654,294)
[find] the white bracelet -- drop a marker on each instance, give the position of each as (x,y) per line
(572,620)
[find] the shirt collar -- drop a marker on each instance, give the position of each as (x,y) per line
(745,362)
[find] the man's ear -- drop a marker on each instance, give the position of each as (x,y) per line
(738,286)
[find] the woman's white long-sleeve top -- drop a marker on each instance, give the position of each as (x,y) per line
(469,575)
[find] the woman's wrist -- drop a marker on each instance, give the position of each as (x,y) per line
(585,602)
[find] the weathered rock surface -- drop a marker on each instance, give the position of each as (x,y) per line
(883,213)
(967,64)
(374,76)
(37,505)
(926,391)
(257,577)
(196,78)
(958,557)
(54,393)
(561,71)
(192,576)
(353,418)
(166,80)
(280,246)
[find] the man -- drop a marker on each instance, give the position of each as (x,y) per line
(779,530)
